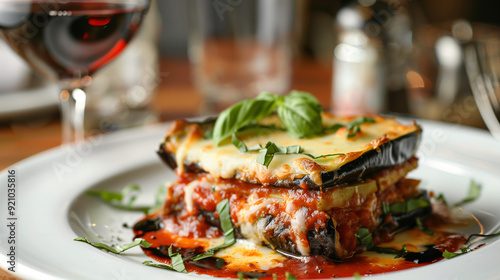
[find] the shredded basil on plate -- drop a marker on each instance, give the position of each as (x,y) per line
(472,195)
(125,198)
(227,229)
(118,249)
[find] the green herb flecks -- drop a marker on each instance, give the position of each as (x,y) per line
(125,198)
(118,249)
(177,260)
(289,276)
(266,154)
(468,248)
(158,265)
(473,194)
(242,146)
(398,253)
(421,227)
(408,206)
(352,128)
(227,229)
(365,238)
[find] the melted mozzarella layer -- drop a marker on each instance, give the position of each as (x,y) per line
(187,143)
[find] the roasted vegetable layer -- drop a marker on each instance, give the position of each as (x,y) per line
(299,221)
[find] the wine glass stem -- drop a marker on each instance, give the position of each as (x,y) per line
(73,115)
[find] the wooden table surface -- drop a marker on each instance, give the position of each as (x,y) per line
(176,97)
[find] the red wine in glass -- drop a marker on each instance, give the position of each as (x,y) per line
(67,41)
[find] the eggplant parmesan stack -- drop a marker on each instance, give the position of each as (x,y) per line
(319,195)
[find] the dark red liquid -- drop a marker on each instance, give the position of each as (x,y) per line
(69,40)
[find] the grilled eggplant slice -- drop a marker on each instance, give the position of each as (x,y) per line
(379,145)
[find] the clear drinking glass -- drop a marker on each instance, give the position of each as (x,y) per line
(67,41)
(239,48)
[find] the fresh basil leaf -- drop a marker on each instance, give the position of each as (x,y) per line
(354,127)
(408,206)
(227,229)
(289,276)
(357,276)
(301,116)
(306,97)
(252,275)
(398,253)
(467,249)
(365,237)
(219,263)
(116,249)
(442,198)
(118,197)
(323,156)
(474,193)
(334,128)
(176,260)
(421,227)
(240,115)
(449,255)
(266,155)
(242,146)
(385,208)
(225,223)
(158,265)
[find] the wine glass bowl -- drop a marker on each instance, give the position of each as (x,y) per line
(67,41)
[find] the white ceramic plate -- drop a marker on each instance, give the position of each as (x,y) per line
(52,209)
(38,99)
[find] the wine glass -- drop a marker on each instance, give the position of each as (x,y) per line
(67,41)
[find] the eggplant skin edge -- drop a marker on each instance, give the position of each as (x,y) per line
(387,155)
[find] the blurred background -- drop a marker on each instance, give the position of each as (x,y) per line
(396,57)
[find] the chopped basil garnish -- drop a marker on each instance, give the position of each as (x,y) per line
(253,276)
(407,206)
(242,146)
(158,265)
(447,254)
(227,229)
(115,249)
(177,260)
(365,237)
(266,155)
(398,253)
(421,227)
(119,199)
(352,128)
(473,194)
(289,276)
